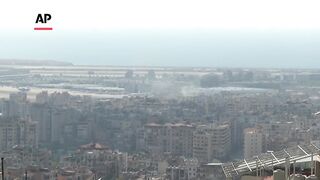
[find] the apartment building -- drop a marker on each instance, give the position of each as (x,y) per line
(175,139)
(253,142)
(211,142)
(15,131)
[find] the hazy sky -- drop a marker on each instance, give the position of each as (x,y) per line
(247,33)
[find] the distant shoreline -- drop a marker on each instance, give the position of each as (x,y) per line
(27,62)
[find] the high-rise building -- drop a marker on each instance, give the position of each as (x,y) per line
(201,145)
(42,97)
(42,114)
(28,133)
(169,138)
(253,142)
(15,131)
(17,105)
(59,124)
(211,142)
(9,133)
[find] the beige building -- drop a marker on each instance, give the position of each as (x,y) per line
(201,149)
(98,158)
(253,142)
(211,142)
(175,139)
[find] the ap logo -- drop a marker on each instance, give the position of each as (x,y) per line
(43,19)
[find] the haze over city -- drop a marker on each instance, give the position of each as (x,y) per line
(160,90)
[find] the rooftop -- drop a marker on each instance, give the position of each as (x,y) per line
(270,159)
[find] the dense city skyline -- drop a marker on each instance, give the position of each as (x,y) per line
(160,90)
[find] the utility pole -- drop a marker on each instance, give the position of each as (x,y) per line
(257,169)
(2,168)
(172,173)
(287,167)
(312,164)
